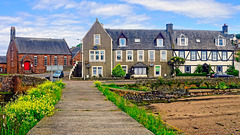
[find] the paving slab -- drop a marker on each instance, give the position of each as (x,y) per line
(83,110)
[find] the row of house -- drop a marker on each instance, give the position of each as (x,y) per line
(147,53)
(32,55)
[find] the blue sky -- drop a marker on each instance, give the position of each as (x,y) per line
(71,19)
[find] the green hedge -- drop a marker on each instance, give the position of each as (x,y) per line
(25,112)
(192,74)
(235,73)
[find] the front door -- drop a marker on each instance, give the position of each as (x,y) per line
(27,65)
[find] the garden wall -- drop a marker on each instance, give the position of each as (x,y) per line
(18,83)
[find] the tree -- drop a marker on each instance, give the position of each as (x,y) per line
(177,61)
(79,45)
(118,71)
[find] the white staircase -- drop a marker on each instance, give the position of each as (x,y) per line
(72,70)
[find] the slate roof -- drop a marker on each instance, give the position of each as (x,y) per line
(3,59)
(140,65)
(147,39)
(42,46)
(75,51)
(206,40)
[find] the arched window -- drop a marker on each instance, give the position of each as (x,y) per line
(182,40)
(220,41)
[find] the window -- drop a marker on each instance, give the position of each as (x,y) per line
(97,55)
(163,56)
(219,68)
(159,42)
(157,70)
(214,56)
(96,71)
(96,39)
(125,68)
(137,40)
(182,54)
(140,54)
(129,55)
(55,60)
(220,41)
(204,55)
(187,69)
(35,60)
(65,60)
(140,71)
(1,69)
(198,40)
(182,40)
(224,55)
(193,55)
(151,55)
(45,60)
(122,42)
(119,55)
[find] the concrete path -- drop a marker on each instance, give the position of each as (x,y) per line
(83,110)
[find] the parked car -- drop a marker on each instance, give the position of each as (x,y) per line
(220,74)
(58,73)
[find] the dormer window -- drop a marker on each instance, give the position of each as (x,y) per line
(122,42)
(96,39)
(159,42)
(182,40)
(220,41)
(137,40)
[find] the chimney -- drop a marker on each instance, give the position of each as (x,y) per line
(13,33)
(169,27)
(225,29)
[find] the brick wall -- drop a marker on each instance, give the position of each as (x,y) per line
(12,60)
(78,57)
(3,68)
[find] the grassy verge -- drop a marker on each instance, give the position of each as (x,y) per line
(21,115)
(146,118)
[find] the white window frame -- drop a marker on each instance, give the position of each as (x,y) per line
(159,45)
(94,56)
(129,54)
(195,55)
(218,41)
(139,54)
(55,60)
(126,68)
(97,70)
(137,40)
(163,60)
(45,62)
(179,40)
(150,56)
(94,39)
(144,70)
(118,54)
(225,55)
(65,61)
(155,70)
(203,55)
(122,45)
(35,61)
(183,54)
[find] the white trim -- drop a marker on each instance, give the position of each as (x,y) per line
(157,43)
(159,70)
(161,56)
(179,42)
(97,70)
(120,42)
(117,54)
(127,56)
(153,55)
(94,39)
(94,56)
(138,55)
(126,68)
(35,64)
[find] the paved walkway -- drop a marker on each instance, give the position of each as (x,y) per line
(83,110)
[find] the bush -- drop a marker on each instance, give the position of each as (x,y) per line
(118,71)
(97,83)
(177,71)
(192,74)
(199,69)
(235,73)
(23,113)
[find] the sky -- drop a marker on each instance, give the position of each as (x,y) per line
(71,19)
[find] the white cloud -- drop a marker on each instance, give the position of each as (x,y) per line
(192,8)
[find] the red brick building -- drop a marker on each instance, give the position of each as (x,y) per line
(3,64)
(32,55)
(76,55)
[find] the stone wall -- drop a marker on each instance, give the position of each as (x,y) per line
(18,83)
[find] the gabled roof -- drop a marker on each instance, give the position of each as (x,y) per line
(75,51)
(140,65)
(3,59)
(42,46)
(147,38)
(207,40)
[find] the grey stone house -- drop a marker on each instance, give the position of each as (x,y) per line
(143,53)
